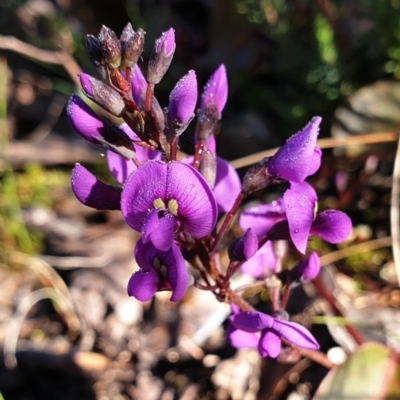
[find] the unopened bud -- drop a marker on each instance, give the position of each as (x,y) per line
(126,33)
(243,248)
(207,120)
(93,50)
(132,49)
(110,46)
(103,95)
(256,178)
(161,57)
(216,90)
(306,269)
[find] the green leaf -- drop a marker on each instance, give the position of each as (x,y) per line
(365,375)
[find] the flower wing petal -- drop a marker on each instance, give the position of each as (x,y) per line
(241,339)
(251,321)
(296,334)
(143,284)
(332,226)
(269,344)
(92,192)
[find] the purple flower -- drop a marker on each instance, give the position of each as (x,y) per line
(262,264)
(299,157)
(306,269)
(183,99)
(159,199)
(120,167)
(244,247)
(216,90)
(92,192)
(264,332)
(159,270)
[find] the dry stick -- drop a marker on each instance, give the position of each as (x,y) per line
(46,56)
(325,143)
(394,212)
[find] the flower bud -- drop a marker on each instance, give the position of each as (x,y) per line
(243,248)
(161,57)
(110,46)
(93,50)
(126,33)
(256,178)
(306,269)
(132,49)
(103,95)
(207,120)
(216,90)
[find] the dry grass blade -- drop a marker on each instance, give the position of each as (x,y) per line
(394,212)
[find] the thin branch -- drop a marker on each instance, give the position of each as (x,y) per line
(50,57)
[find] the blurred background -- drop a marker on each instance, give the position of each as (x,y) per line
(64,268)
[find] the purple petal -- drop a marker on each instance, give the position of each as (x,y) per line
(84,120)
(332,226)
(170,264)
(138,83)
(240,339)
(306,269)
(315,161)
(244,247)
(298,157)
(159,230)
(86,84)
(216,89)
(300,201)
(166,42)
(143,284)
(251,321)
(183,98)
(269,344)
(197,210)
(227,185)
(295,333)
(262,264)
(92,192)
(142,187)
(263,217)
(177,274)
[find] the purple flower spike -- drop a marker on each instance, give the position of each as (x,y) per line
(300,201)
(332,226)
(299,157)
(306,269)
(271,331)
(92,192)
(216,90)
(159,198)
(244,247)
(183,98)
(262,264)
(159,270)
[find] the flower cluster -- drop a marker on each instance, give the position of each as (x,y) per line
(175,203)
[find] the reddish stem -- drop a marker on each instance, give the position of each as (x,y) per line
(174,148)
(228,219)
(149,98)
(198,151)
(332,302)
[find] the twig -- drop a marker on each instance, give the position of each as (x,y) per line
(355,249)
(50,57)
(325,143)
(394,212)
